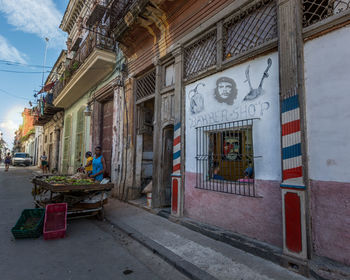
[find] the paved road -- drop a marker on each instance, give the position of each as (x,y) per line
(91,250)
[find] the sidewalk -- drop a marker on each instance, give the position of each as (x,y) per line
(194,254)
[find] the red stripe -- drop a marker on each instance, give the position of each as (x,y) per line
(176,167)
(293,221)
(291,127)
(177,140)
(174,195)
(292,173)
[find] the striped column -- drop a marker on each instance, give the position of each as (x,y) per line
(293,189)
(176,176)
(291,140)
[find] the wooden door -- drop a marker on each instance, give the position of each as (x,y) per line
(167,161)
(107,134)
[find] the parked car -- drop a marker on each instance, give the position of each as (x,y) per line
(21,159)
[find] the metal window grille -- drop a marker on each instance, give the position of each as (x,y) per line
(317,10)
(247,30)
(225,159)
(200,55)
(146,85)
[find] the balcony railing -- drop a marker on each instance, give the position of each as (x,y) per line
(95,40)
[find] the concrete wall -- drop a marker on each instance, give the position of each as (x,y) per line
(327,85)
(260,217)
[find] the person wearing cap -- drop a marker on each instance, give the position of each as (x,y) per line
(88,165)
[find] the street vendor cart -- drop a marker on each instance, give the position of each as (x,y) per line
(84,197)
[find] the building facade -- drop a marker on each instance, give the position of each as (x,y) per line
(224,105)
(225,113)
(90,62)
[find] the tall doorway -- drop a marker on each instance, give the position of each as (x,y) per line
(107,134)
(167,162)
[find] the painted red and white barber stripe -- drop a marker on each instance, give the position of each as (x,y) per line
(176,176)
(177,149)
(291,139)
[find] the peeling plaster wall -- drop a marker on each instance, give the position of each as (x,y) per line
(123,153)
(327,86)
(256,217)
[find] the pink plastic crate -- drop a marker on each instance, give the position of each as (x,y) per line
(55,223)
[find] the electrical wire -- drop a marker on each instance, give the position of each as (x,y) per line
(14,63)
(21,72)
(13,95)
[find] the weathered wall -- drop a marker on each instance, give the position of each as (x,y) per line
(258,217)
(123,152)
(327,110)
(174,20)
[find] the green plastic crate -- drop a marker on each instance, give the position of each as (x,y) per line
(19,231)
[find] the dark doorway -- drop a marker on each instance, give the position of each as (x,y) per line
(50,157)
(107,134)
(167,162)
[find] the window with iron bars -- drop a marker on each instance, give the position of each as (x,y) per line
(200,55)
(249,29)
(225,158)
(317,10)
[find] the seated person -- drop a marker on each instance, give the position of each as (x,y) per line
(216,171)
(248,175)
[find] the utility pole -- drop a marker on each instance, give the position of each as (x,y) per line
(46,44)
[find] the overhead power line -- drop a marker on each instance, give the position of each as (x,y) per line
(21,72)
(13,95)
(14,63)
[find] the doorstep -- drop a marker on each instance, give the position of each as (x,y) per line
(192,253)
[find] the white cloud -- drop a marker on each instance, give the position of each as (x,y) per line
(39,17)
(9,52)
(12,122)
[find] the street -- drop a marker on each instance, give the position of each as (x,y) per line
(91,249)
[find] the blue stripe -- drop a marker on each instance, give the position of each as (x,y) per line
(177,155)
(290,103)
(177,126)
(293,186)
(291,151)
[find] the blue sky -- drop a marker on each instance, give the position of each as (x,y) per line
(23,26)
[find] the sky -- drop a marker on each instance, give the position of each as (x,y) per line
(24,25)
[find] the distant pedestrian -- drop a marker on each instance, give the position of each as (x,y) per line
(7,162)
(44,163)
(98,165)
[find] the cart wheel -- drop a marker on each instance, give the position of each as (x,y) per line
(100,215)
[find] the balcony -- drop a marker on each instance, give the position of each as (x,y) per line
(48,112)
(93,61)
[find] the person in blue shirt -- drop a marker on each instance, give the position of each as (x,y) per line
(98,165)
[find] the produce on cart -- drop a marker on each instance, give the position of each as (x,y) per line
(84,196)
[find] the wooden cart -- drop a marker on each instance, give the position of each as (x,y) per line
(82,200)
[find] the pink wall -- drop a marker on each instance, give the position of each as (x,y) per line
(259,218)
(330,212)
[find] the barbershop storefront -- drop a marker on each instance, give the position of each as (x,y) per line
(233,151)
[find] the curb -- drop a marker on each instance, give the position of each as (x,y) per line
(185,267)
(327,271)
